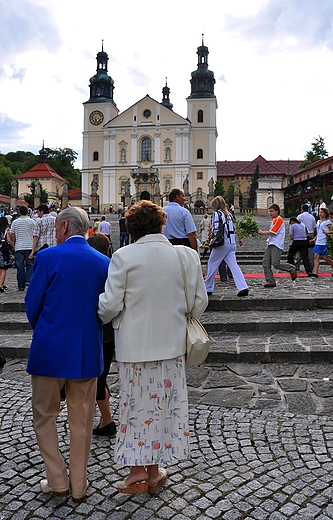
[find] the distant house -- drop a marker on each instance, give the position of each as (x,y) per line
(48,178)
(309,183)
(274,176)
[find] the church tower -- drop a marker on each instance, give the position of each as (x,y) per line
(201,111)
(98,110)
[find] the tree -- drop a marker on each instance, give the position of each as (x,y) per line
(62,161)
(253,188)
(6,177)
(229,198)
(317,152)
(219,188)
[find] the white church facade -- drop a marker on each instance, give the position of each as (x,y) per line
(148,147)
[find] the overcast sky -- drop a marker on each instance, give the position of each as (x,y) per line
(272,61)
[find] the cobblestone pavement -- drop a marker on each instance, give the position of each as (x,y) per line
(246,463)
(261,438)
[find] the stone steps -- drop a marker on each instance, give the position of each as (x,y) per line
(290,323)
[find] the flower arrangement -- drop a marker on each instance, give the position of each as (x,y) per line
(246,226)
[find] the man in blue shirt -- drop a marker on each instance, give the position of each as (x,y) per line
(179,228)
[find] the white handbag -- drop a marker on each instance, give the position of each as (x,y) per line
(197,339)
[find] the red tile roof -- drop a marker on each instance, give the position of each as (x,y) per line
(41,170)
(75,194)
(5,200)
(232,168)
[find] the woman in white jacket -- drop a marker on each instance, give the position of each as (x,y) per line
(144,296)
(227,252)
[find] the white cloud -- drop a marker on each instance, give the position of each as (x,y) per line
(271,59)
(287,25)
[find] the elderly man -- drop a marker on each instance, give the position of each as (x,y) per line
(180,228)
(66,348)
(44,230)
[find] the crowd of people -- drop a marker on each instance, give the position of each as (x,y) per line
(87,304)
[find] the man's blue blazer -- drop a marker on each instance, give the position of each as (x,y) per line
(61,305)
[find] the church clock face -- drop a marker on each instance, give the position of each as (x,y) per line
(96,117)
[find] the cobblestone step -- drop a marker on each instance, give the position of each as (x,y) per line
(306,346)
(267,321)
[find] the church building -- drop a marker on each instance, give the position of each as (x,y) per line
(148,147)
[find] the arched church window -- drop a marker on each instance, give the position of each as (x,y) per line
(146,149)
(199,153)
(200,116)
(95,156)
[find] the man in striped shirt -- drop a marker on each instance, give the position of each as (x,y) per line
(21,234)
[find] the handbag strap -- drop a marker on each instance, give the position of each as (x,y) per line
(183,275)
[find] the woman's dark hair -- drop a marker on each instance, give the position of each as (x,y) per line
(100,242)
(3,224)
(144,219)
(293,220)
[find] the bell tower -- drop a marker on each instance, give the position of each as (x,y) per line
(98,111)
(101,84)
(202,79)
(201,111)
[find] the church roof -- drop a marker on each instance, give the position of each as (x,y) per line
(233,168)
(117,121)
(41,170)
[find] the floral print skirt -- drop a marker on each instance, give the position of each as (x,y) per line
(153,413)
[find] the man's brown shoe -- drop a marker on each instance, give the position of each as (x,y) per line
(269,284)
(293,274)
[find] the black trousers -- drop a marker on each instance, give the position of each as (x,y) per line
(180,242)
(302,247)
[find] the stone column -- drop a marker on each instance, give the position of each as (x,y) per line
(64,198)
(14,193)
(37,194)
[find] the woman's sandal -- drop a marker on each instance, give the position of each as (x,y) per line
(153,489)
(137,488)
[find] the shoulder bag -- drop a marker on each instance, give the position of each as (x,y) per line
(218,239)
(197,339)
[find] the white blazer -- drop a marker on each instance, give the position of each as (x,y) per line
(144,295)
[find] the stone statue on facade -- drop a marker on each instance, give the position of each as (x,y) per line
(128,188)
(211,185)
(94,187)
(186,185)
